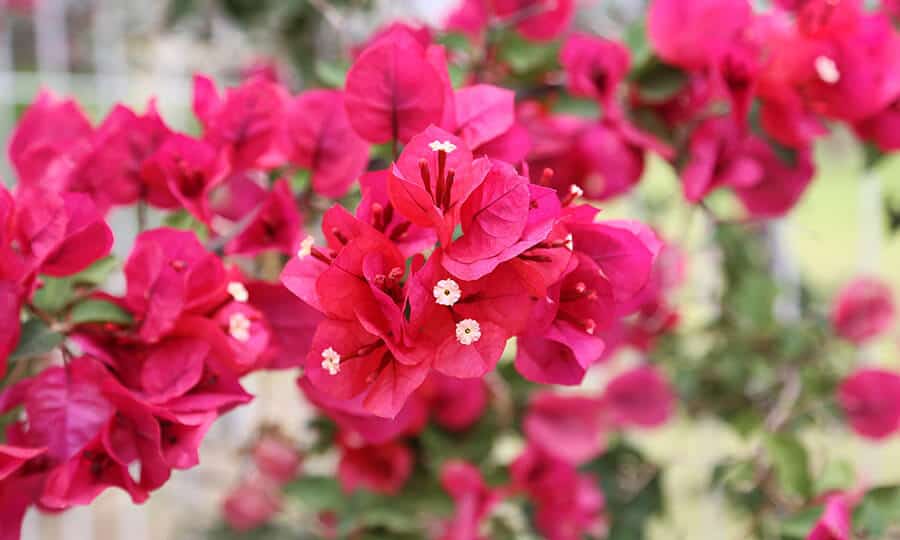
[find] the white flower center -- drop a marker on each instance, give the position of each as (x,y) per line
(827,70)
(570,244)
(468,331)
(446,146)
(446,292)
(575,190)
(306,247)
(239,327)
(331,361)
(238,291)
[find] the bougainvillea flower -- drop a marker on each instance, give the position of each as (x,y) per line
(353,418)
(346,361)
(639,397)
(624,251)
(322,140)
(716,158)
(568,503)
(247,119)
(540,20)
(376,209)
(882,128)
(10,306)
(434,175)
(382,468)
(66,408)
(455,404)
(79,480)
(169,273)
(565,427)
(247,332)
(48,134)
(500,220)
(182,173)
(112,173)
(291,323)
(871,400)
(473,500)
(611,162)
(466,323)
(781,185)
(252,504)
(275,226)
(483,113)
(13,457)
(277,458)
(392,91)
(695,34)
(594,67)
(470,18)
(863,310)
(835,522)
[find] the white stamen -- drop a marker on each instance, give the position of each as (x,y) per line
(306,247)
(446,146)
(331,361)
(239,327)
(468,331)
(827,70)
(446,292)
(575,190)
(238,291)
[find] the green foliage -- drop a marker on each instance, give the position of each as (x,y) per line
(35,340)
(633,490)
(790,462)
(878,514)
(93,311)
(183,220)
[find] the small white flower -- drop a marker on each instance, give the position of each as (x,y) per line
(238,291)
(468,331)
(306,247)
(827,70)
(570,244)
(331,361)
(446,146)
(575,190)
(446,292)
(239,327)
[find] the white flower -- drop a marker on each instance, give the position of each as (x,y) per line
(468,331)
(446,146)
(827,70)
(331,361)
(237,291)
(239,327)
(575,190)
(446,292)
(570,244)
(306,247)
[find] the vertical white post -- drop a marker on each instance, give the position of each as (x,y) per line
(52,44)
(110,55)
(31,527)
(7,96)
(871,222)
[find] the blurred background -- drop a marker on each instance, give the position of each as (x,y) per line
(106,51)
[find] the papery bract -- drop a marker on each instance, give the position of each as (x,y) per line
(251,504)
(565,427)
(863,310)
(382,468)
(274,227)
(695,34)
(392,92)
(639,397)
(323,141)
(871,400)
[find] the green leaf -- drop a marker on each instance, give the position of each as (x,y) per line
(317,493)
(791,464)
(92,311)
(838,475)
(331,74)
(877,512)
(36,339)
(658,81)
(633,490)
(55,294)
(524,56)
(182,219)
(97,273)
(799,525)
